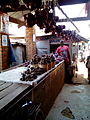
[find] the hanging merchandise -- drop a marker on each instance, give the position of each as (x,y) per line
(33,4)
(12,57)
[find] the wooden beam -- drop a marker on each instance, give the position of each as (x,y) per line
(71,2)
(67,17)
(75,19)
(17,21)
(14,20)
(17,37)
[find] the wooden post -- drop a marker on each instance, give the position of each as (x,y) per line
(30,44)
(4,37)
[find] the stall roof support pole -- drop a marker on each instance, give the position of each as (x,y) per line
(67,17)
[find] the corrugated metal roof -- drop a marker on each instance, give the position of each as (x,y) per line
(70,2)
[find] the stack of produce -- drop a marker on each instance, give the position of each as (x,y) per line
(31,73)
(43,63)
(37,66)
(52,58)
(28,76)
(34,62)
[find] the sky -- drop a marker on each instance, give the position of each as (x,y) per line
(15,31)
(73,11)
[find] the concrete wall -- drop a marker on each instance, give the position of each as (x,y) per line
(43,47)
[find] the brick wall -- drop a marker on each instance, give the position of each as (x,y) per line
(4,48)
(5,63)
(0,55)
(3,55)
(30,45)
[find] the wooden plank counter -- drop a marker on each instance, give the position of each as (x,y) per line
(44,91)
(10,96)
(47,89)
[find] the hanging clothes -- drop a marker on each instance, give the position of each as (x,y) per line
(11,54)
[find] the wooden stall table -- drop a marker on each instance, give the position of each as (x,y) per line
(14,93)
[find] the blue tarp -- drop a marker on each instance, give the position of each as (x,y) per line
(11,54)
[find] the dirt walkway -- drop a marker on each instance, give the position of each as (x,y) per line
(82,74)
(72,103)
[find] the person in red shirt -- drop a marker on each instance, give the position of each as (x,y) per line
(63,51)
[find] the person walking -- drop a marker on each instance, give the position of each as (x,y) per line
(88,67)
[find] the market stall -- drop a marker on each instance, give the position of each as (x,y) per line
(14,94)
(20,87)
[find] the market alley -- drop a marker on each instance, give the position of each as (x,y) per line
(73,102)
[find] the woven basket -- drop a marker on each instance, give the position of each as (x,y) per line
(44,66)
(34,65)
(52,64)
(48,66)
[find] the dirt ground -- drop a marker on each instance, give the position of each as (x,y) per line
(81,76)
(73,102)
